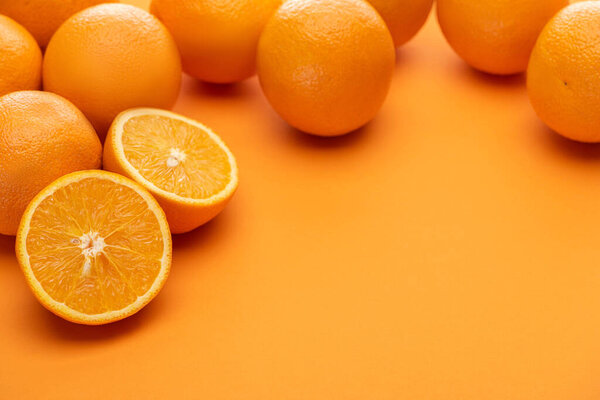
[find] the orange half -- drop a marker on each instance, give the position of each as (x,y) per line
(94,246)
(185,165)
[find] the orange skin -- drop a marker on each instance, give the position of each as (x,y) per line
(43,17)
(20,58)
(42,137)
(217,38)
(404,18)
(112,57)
(495,36)
(562,79)
(326,65)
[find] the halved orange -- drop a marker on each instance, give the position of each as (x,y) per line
(185,165)
(94,246)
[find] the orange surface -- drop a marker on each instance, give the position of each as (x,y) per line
(447,251)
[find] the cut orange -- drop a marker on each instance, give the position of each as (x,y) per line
(94,247)
(185,165)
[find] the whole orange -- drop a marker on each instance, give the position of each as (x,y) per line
(404,18)
(495,36)
(111,57)
(42,137)
(20,58)
(562,79)
(43,17)
(326,65)
(217,38)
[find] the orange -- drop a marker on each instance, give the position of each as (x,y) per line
(562,79)
(20,58)
(495,36)
(326,65)
(42,137)
(404,18)
(94,247)
(186,166)
(43,17)
(112,57)
(217,38)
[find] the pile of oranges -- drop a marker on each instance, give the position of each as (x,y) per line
(95,246)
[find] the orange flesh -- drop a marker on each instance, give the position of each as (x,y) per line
(95,246)
(175,156)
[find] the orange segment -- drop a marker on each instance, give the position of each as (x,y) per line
(94,246)
(185,165)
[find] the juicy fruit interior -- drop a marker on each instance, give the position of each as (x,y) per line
(175,156)
(95,246)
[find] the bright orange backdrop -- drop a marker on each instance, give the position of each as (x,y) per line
(450,250)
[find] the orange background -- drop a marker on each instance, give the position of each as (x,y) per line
(449,250)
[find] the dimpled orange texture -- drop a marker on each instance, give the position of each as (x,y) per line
(42,137)
(404,18)
(326,65)
(20,58)
(112,57)
(217,38)
(562,79)
(43,17)
(495,36)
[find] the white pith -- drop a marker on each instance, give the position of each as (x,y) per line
(176,156)
(91,245)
